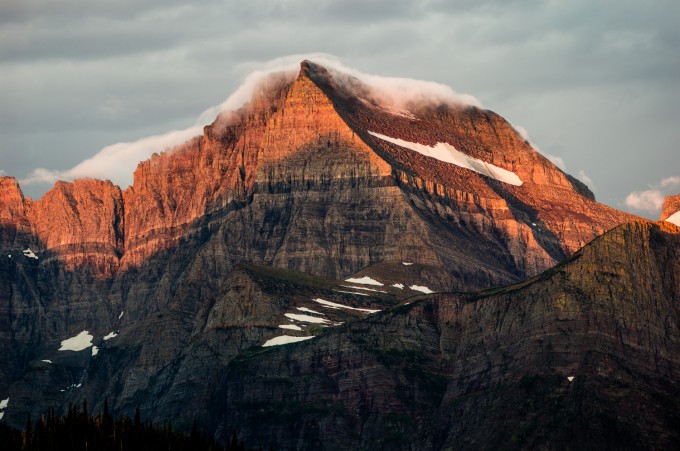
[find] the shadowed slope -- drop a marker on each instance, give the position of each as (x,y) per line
(566,360)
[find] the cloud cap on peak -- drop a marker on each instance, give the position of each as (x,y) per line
(117,162)
(389,92)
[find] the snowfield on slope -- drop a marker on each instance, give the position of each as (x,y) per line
(421,289)
(81,341)
(364,281)
(284,340)
(448,154)
(338,306)
(308,310)
(30,254)
(290,326)
(3,406)
(363,288)
(306,318)
(674,218)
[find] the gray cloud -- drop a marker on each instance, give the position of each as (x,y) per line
(595,83)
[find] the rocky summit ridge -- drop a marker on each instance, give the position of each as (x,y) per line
(317,135)
(308,208)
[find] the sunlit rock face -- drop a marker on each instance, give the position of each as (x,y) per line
(327,144)
(671,209)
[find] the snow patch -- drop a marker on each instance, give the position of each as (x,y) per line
(81,341)
(121,315)
(95,351)
(110,336)
(421,288)
(305,309)
(533,224)
(46,361)
(352,292)
(398,285)
(3,406)
(284,340)
(337,306)
(448,154)
(362,288)
(29,253)
(364,281)
(406,263)
(674,218)
(290,326)
(306,318)
(570,378)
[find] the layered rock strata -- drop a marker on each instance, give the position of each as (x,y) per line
(568,359)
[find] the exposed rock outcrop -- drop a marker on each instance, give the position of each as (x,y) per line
(15,227)
(671,206)
(565,360)
(277,163)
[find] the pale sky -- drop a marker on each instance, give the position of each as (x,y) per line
(595,83)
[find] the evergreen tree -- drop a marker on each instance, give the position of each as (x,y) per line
(80,431)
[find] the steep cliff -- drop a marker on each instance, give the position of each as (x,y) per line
(566,360)
(15,227)
(671,206)
(305,182)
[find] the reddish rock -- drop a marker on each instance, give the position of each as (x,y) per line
(81,224)
(671,205)
(345,200)
(15,226)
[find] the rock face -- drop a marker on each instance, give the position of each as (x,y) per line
(291,181)
(81,224)
(15,228)
(563,361)
(307,187)
(671,205)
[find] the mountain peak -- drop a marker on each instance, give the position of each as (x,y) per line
(671,209)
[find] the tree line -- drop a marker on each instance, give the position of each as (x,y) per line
(80,431)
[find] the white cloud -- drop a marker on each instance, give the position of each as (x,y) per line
(2,173)
(391,92)
(670,182)
(401,93)
(651,200)
(116,162)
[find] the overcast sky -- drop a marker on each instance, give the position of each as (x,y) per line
(595,83)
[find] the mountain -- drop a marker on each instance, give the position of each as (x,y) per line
(316,181)
(671,209)
(583,356)
(322,135)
